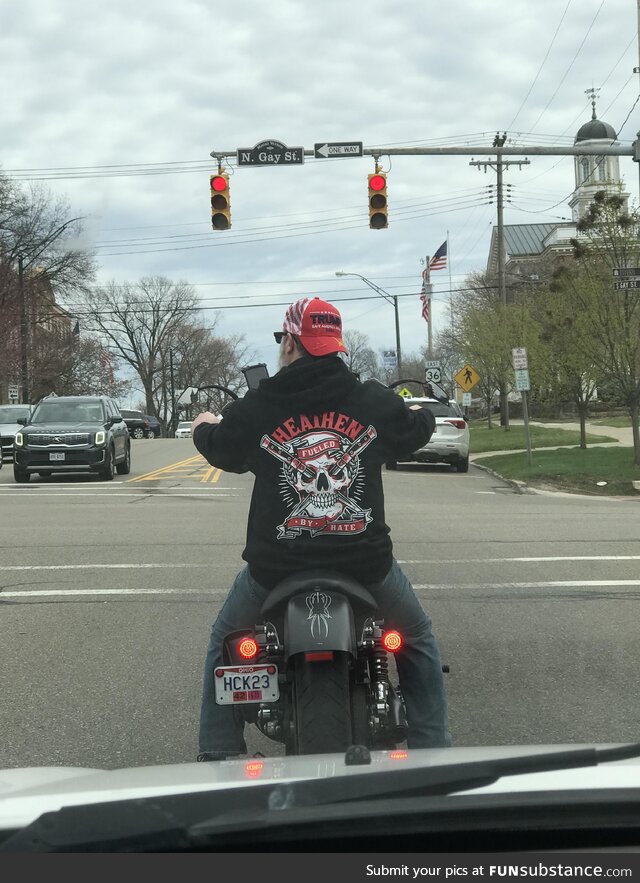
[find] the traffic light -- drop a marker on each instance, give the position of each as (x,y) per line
(378,201)
(220,202)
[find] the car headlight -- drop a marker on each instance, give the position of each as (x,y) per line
(19,440)
(101,437)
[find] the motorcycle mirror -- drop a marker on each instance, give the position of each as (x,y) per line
(437,392)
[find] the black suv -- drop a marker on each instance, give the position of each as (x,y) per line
(137,423)
(72,434)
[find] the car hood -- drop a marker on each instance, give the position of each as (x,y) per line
(27,793)
(10,428)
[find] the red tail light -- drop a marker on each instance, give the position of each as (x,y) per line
(253,769)
(398,755)
(392,641)
(459,424)
(248,648)
(319,656)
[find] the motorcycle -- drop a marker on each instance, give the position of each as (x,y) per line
(314,672)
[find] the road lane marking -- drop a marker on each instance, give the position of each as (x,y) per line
(216,476)
(93,566)
(208,474)
(163,470)
(521,560)
(552,584)
(70,593)
(152,492)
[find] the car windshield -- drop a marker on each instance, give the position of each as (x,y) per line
(12,413)
(357,209)
(68,412)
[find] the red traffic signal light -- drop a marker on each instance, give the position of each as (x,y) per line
(378,218)
(220,202)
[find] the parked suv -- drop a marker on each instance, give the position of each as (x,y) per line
(450,441)
(9,416)
(72,434)
(136,421)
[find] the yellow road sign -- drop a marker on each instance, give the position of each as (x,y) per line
(405,393)
(467,377)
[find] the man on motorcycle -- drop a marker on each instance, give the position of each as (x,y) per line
(315,505)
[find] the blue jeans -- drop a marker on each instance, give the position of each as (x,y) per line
(418,663)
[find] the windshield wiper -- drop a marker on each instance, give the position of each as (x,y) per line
(183,820)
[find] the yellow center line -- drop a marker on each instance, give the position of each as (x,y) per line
(164,470)
(207,474)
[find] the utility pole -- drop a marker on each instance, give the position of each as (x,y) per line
(636,70)
(498,166)
(391,299)
(24,332)
(172,423)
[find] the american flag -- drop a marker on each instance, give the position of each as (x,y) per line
(424,297)
(439,260)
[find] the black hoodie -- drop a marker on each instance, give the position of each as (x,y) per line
(315,439)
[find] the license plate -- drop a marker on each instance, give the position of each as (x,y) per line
(56,457)
(244,684)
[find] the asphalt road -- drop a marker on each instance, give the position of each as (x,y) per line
(108,591)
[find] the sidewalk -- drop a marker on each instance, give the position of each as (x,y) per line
(623,435)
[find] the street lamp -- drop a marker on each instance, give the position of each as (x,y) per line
(391,299)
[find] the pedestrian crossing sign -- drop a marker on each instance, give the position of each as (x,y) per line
(467,377)
(405,393)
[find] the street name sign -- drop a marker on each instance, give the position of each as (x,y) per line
(327,149)
(520,361)
(467,378)
(626,271)
(522,380)
(626,284)
(270,153)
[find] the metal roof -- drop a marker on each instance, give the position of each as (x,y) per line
(525,239)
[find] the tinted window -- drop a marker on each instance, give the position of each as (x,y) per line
(438,409)
(11,413)
(132,415)
(68,412)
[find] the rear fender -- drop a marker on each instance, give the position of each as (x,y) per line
(319,620)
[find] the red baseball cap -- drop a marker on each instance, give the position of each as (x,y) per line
(317,324)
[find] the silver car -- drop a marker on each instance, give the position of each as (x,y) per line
(450,440)
(183,430)
(9,416)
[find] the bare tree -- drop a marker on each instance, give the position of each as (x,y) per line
(139,322)
(361,358)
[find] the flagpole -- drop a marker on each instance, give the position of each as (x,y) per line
(453,383)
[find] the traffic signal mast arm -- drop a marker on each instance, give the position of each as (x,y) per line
(524,150)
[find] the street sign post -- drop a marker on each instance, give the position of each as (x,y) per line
(390,360)
(466,399)
(467,378)
(13,391)
(522,380)
(328,149)
(270,153)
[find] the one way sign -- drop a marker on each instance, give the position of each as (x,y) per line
(326,150)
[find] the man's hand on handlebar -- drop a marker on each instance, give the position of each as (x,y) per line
(205,417)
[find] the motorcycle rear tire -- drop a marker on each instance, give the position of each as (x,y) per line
(322,705)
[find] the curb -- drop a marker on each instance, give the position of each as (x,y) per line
(519,486)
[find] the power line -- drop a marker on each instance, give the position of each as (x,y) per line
(535,79)
(566,73)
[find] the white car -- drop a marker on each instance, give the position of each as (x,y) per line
(9,415)
(183,430)
(450,440)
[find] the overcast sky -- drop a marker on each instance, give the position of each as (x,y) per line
(128,85)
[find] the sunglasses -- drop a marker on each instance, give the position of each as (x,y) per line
(280,334)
